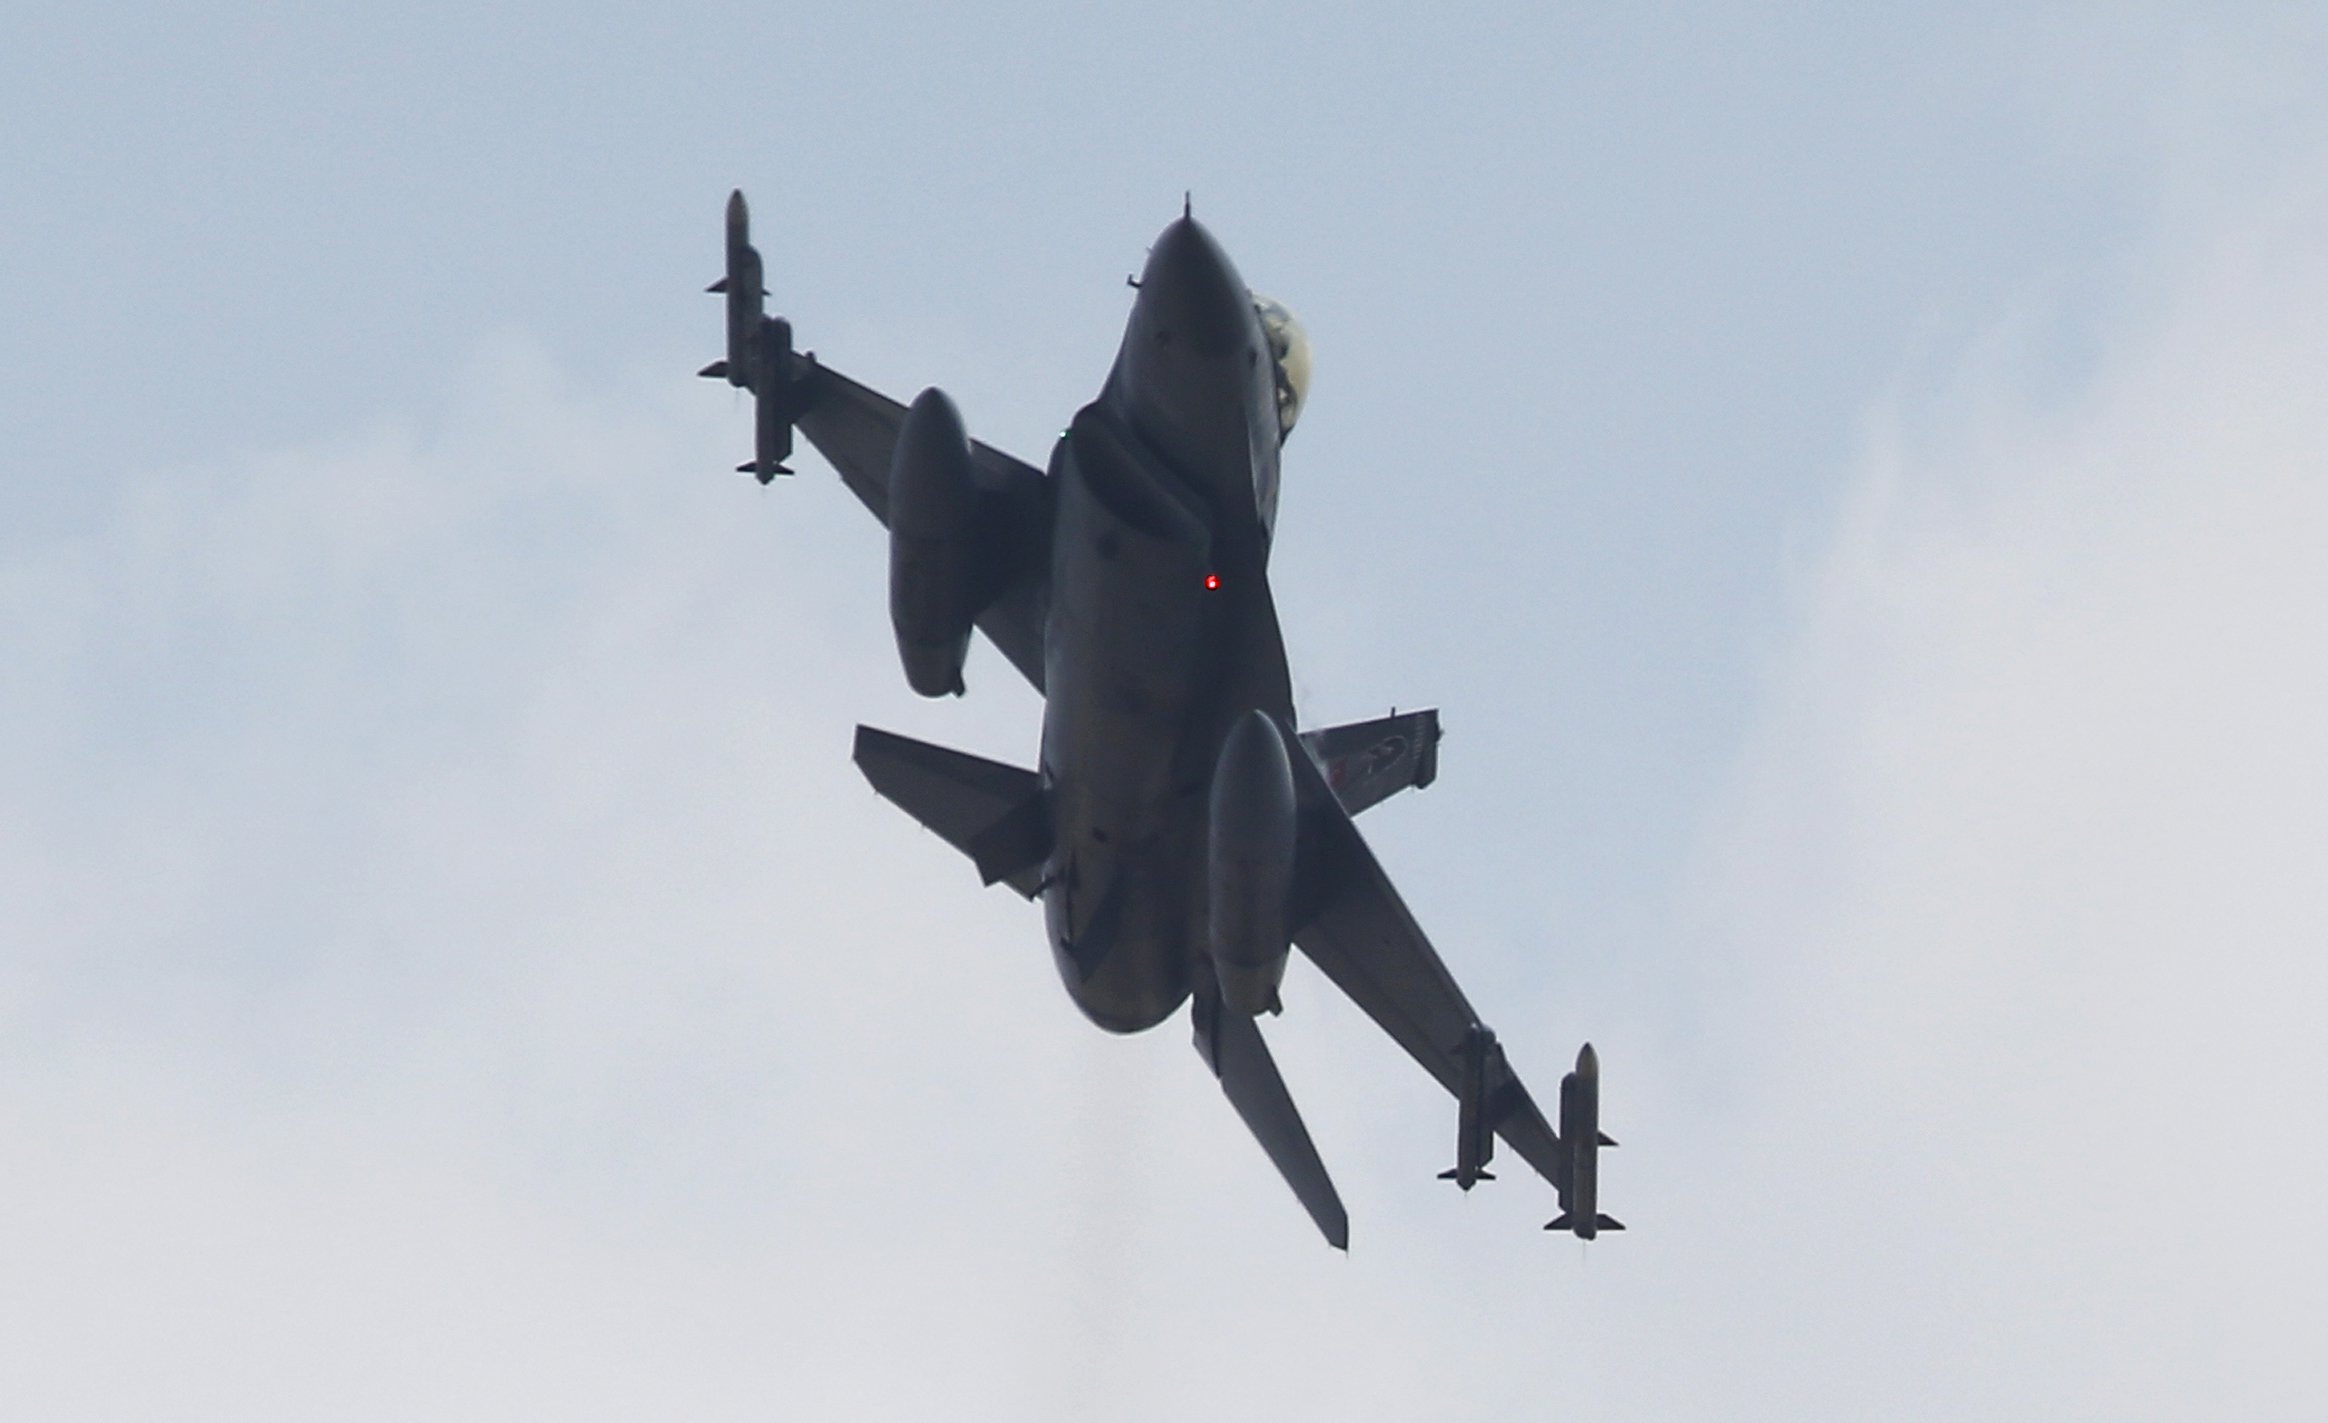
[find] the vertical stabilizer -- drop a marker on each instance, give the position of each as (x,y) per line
(1233,1048)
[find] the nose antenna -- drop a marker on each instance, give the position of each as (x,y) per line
(1187,202)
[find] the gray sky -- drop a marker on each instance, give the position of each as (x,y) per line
(1851,481)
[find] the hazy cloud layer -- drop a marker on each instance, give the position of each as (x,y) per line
(449,968)
(2026,881)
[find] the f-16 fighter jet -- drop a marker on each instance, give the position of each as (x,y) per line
(1180,830)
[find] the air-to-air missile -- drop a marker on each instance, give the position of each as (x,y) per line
(1474,1124)
(1582,1138)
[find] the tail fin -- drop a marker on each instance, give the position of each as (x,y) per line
(1235,1050)
(995,814)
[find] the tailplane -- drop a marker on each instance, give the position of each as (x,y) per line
(1367,762)
(995,814)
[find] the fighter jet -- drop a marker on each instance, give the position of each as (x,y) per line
(1181,831)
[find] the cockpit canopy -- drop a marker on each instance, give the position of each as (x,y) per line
(1289,356)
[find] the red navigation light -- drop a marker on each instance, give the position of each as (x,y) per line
(1212,582)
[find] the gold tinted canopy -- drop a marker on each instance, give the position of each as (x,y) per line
(1289,352)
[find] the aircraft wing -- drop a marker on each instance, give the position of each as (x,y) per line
(855,428)
(1355,928)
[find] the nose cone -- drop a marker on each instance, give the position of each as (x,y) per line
(1191,295)
(1588,1062)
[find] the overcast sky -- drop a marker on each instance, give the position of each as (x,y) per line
(1852,479)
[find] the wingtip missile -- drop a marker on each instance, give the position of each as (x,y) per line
(1582,1139)
(760,358)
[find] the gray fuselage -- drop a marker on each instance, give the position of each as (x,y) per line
(1161,630)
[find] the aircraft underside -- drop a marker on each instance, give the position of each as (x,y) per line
(1181,831)
(1135,692)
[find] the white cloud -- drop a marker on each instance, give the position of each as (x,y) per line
(453,969)
(448,966)
(2025,888)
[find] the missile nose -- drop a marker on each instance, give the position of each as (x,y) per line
(1587,1062)
(739,217)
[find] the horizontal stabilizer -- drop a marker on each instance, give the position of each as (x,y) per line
(995,814)
(1233,1047)
(1015,845)
(1367,762)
